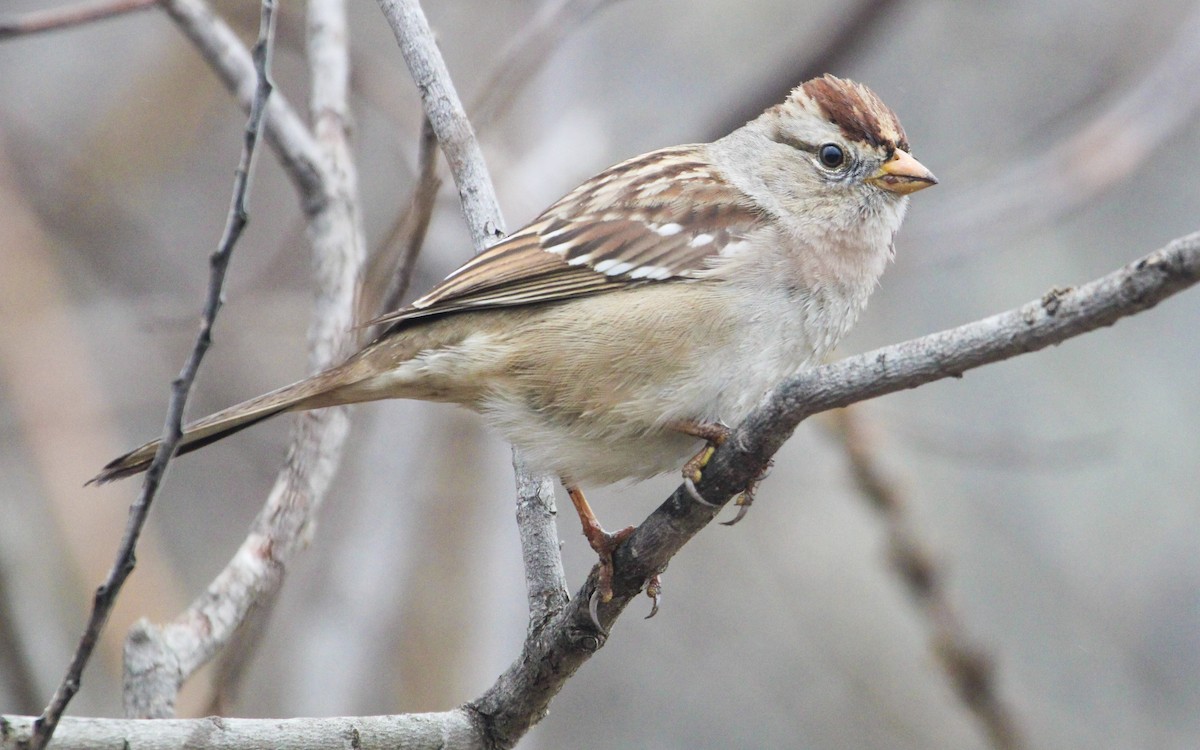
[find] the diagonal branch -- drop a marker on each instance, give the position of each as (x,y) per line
(160,659)
(106,595)
(967,665)
(61,18)
(1059,315)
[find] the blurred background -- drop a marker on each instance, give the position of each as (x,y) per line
(1058,492)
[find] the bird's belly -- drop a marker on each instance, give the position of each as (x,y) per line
(598,406)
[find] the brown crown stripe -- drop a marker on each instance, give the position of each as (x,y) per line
(857,112)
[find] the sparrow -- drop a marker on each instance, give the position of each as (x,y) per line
(618,334)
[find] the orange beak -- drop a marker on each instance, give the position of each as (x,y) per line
(902,174)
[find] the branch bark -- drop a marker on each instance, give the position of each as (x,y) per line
(160,659)
(106,595)
(544,577)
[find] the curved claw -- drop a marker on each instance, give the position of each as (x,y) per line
(690,486)
(743,509)
(594,609)
(654,591)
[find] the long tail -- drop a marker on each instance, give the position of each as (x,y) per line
(319,390)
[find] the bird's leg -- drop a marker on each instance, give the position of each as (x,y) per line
(604,543)
(713,434)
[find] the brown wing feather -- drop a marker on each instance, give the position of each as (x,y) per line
(658,217)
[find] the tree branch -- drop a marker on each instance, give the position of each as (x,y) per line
(448,118)
(106,594)
(160,659)
(62,18)
(545,580)
(1059,315)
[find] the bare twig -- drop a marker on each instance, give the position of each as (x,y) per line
(286,133)
(1102,153)
(539,536)
(61,18)
(448,118)
(392,268)
(553,653)
(527,52)
(107,593)
(967,665)
(160,659)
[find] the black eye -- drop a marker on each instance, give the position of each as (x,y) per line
(831,156)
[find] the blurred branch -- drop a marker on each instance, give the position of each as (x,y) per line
(392,268)
(1099,154)
(286,133)
(61,18)
(526,53)
(969,668)
(851,29)
(448,119)
(160,659)
(106,594)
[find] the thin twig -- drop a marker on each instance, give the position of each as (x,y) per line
(968,666)
(161,658)
(62,18)
(448,118)
(392,268)
(107,593)
(1097,155)
(535,497)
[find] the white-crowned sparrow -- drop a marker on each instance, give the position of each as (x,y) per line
(655,303)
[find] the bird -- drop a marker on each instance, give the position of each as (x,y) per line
(620,333)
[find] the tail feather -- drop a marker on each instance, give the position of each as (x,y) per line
(306,394)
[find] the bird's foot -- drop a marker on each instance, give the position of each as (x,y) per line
(746,498)
(714,434)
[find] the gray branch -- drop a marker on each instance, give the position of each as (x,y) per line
(160,658)
(545,581)
(448,118)
(286,133)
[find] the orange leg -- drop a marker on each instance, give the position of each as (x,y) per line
(604,543)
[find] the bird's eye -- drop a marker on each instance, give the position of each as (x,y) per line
(831,156)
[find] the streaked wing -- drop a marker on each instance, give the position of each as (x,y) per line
(657,217)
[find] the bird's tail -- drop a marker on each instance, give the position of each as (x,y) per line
(319,390)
